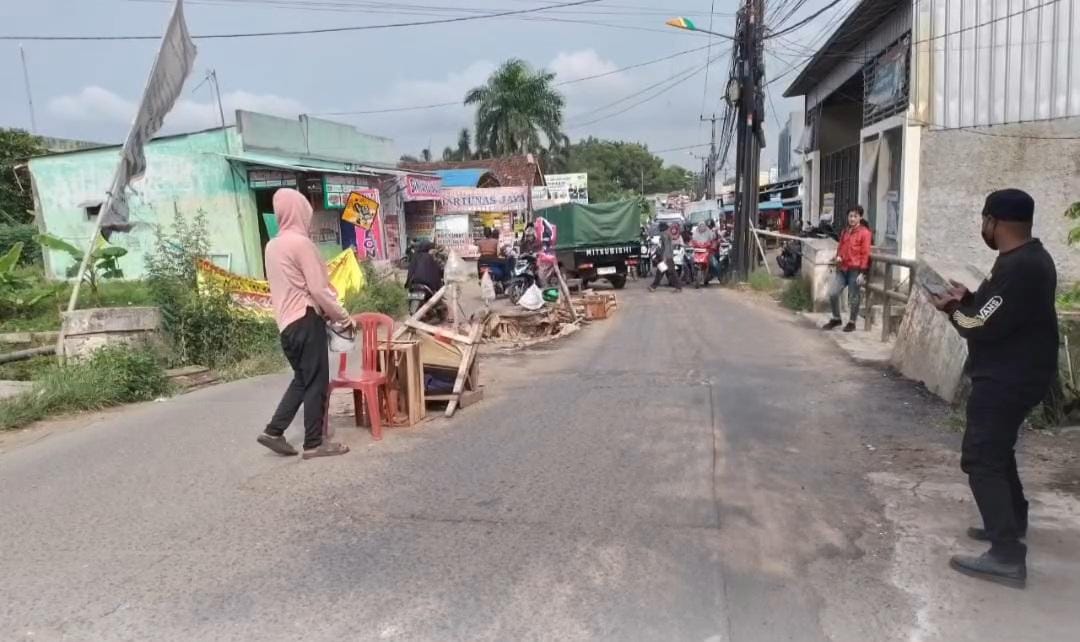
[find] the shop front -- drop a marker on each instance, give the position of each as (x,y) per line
(420,197)
(466,212)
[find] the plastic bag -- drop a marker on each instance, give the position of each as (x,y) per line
(533,299)
(456,271)
(487,289)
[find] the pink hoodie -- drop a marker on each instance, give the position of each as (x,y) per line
(294,268)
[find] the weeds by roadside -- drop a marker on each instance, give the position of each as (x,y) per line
(113,375)
(761,281)
(796,295)
(381,293)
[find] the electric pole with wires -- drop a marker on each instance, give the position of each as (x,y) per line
(711,164)
(744,90)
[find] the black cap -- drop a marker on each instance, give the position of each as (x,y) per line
(1010,205)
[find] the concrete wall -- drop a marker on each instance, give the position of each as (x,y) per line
(313,138)
(960,167)
(840,125)
(928,349)
(817,269)
(184,173)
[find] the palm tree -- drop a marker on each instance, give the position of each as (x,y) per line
(515,109)
(464,147)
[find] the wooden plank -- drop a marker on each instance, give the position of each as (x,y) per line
(565,292)
(464,368)
(435,298)
(469,397)
(439,332)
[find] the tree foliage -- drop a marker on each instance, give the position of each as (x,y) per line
(16,146)
(518,110)
(619,169)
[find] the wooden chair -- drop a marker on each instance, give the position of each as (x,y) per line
(366,388)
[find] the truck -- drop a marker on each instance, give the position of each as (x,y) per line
(597,240)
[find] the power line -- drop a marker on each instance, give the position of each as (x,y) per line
(298,32)
(558,84)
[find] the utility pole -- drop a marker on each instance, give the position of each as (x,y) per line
(29,96)
(750,139)
(710,168)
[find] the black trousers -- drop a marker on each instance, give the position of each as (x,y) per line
(672,277)
(988,456)
(304,343)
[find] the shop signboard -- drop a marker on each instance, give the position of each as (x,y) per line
(422,188)
(362,207)
(568,188)
(484,199)
(270,179)
(337,187)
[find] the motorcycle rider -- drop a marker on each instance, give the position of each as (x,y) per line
(424,269)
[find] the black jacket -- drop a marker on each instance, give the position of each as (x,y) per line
(424,269)
(1010,323)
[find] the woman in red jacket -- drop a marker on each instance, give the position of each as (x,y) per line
(852,264)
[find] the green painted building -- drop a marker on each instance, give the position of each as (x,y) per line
(229,175)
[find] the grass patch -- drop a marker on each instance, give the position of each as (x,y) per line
(796,295)
(761,281)
(384,294)
(27,369)
(113,375)
(45,316)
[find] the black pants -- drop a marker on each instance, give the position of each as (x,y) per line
(304,343)
(994,416)
(672,276)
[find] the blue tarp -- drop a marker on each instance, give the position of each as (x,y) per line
(460,177)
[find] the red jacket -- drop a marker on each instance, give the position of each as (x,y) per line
(854,250)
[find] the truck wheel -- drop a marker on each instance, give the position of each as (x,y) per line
(618,281)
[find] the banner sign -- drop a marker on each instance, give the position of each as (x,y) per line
(270,179)
(484,199)
(422,188)
(362,206)
(253,295)
(568,188)
(337,187)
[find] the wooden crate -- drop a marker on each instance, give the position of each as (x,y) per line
(404,370)
(599,306)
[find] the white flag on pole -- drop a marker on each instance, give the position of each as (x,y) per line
(171,68)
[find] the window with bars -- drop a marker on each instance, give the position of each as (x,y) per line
(886,82)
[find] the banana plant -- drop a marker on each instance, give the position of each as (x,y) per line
(103,264)
(17,291)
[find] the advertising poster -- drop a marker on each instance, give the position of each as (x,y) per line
(568,188)
(362,210)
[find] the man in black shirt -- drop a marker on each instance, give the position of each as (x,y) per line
(1010,325)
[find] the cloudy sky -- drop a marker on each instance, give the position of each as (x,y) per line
(88,90)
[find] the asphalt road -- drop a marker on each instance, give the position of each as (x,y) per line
(699,467)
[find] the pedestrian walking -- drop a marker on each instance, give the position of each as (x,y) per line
(1010,325)
(665,255)
(303,301)
(852,264)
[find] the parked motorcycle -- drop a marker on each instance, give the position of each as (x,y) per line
(419,294)
(517,280)
(790,258)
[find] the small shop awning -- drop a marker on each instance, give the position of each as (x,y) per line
(312,165)
(765,206)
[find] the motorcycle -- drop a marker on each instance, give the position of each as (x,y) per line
(419,294)
(790,258)
(645,260)
(700,262)
(514,283)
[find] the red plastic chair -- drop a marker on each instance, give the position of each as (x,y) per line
(366,387)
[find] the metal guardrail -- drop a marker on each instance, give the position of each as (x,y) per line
(890,291)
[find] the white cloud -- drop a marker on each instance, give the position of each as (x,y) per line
(96,105)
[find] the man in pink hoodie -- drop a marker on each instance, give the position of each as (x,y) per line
(303,302)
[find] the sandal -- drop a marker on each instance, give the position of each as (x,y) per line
(326,450)
(277,444)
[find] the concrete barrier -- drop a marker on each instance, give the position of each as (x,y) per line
(817,256)
(87,330)
(928,348)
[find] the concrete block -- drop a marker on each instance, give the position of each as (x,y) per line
(928,348)
(88,330)
(817,269)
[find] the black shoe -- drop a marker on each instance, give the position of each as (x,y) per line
(979,534)
(850,327)
(987,567)
(832,324)
(277,444)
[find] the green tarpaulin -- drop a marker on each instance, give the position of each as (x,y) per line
(594,224)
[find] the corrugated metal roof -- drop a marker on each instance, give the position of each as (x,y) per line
(862,21)
(461,177)
(310,165)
